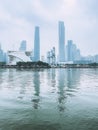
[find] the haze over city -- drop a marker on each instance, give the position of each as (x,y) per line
(18,19)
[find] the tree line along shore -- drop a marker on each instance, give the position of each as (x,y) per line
(41,64)
(38,64)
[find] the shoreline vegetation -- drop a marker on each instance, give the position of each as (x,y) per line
(40,64)
(28,65)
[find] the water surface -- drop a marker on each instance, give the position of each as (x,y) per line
(49,99)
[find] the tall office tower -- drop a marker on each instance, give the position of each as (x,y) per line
(66,48)
(48,57)
(95,59)
(74,52)
(78,55)
(1,54)
(61,42)
(23,46)
(36,44)
(53,56)
(70,50)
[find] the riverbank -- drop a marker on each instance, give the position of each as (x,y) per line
(28,65)
(93,65)
(48,66)
(40,64)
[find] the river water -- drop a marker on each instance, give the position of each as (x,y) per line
(49,99)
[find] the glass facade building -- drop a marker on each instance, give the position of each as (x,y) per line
(70,50)
(61,42)
(36,44)
(1,55)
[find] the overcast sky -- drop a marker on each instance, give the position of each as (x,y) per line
(19,17)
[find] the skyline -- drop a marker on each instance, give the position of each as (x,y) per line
(18,19)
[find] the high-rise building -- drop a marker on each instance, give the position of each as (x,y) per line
(48,57)
(73,54)
(61,42)
(1,54)
(74,51)
(69,51)
(51,56)
(23,46)
(78,55)
(95,58)
(36,44)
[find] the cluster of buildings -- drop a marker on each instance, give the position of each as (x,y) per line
(22,55)
(67,53)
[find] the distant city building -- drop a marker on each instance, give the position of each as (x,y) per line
(2,55)
(82,62)
(19,56)
(23,46)
(73,54)
(48,57)
(96,58)
(6,58)
(70,50)
(42,58)
(61,42)
(36,44)
(88,58)
(78,55)
(51,56)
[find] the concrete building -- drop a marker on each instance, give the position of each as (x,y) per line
(2,55)
(18,56)
(70,50)
(95,59)
(73,54)
(51,56)
(36,44)
(61,41)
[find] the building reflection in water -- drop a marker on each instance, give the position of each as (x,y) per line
(18,82)
(73,78)
(68,80)
(36,82)
(49,77)
(23,82)
(61,89)
(53,78)
(11,79)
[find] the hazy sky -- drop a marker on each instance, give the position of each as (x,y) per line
(19,17)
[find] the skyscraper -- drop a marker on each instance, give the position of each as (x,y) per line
(61,42)
(23,46)
(36,44)
(78,55)
(70,50)
(1,54)
(73,54)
